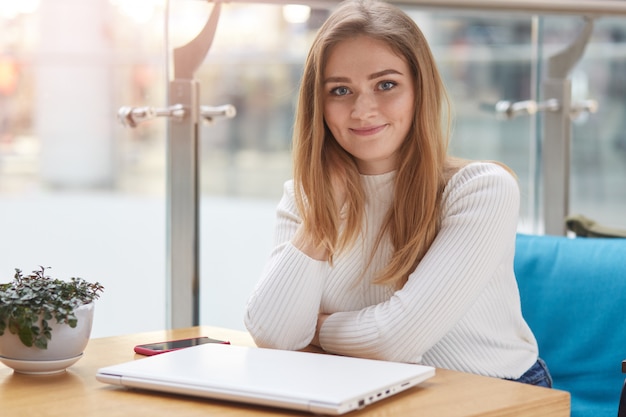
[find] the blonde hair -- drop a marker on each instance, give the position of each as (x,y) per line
(414,217)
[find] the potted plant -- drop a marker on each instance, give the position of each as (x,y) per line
(45,323)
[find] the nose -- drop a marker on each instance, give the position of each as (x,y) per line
(364,106)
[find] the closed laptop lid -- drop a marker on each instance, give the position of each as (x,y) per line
(319,383)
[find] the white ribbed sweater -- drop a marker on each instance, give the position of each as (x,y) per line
(459,309)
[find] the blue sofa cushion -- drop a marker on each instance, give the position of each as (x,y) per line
(573,293)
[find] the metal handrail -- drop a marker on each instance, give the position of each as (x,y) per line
(570,7)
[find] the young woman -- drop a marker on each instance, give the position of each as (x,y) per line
(386,247)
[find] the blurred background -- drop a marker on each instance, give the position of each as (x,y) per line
(86,196)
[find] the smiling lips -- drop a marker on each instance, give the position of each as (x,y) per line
(367,131)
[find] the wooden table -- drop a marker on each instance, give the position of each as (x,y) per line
(76,392)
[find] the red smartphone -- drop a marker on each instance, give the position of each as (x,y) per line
(150,349)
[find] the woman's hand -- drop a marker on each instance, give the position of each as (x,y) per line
(338,184)
(302,240)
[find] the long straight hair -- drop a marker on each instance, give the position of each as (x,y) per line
(319,161)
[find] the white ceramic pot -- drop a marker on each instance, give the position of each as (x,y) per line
(64,349)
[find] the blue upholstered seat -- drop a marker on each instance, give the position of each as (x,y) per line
(573,293)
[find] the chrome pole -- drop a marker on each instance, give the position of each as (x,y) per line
(557,133)
(183,204)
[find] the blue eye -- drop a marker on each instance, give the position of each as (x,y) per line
(340,91)
(387,85)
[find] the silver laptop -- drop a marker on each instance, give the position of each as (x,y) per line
(318,383)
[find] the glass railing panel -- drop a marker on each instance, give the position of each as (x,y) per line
(484,58)
(56,211)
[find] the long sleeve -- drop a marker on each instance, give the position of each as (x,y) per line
(459,309)
(282,311)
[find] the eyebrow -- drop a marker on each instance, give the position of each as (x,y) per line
(370,77)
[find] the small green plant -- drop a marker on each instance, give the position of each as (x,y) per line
(28,303)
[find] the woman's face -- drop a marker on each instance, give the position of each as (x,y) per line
(368,102)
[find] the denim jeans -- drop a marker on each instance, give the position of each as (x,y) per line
(538,374)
